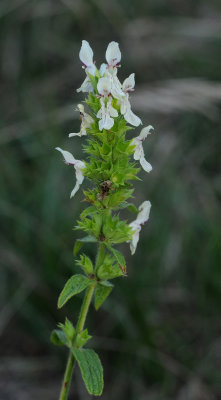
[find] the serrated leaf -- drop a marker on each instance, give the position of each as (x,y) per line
(59,338)
(120,258)
(79,243)
(106,283)
(77,247)
(91,370)
(101,293)
(76,284)
(132,207)
(109,271)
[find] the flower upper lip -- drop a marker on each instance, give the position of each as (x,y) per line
(86,56)
(113,54)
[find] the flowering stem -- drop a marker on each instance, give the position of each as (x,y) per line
(80,326)
(111,171)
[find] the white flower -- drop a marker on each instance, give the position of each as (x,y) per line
(109,70)
(125,106)
(139,152)
(105,113)
(116,89)
(86,121)
(86,56)
(78,165)
(129,83)
(102,69)
(113,54)
(142,217)
(86,86)
(104,86)
(125,109)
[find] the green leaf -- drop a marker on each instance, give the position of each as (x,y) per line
(120,258)
(91,370)
(79,243)
(77,247)
(59,338)
(101,293)
(76,284)
(88,239)
(106,283)
(132,207)
(109,271)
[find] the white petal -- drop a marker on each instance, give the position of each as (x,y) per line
(112,111)
(68,157)
(134,241)
(102,69)
(76,188)
(86,86)
(144,212)
(142,217)
(79,166)
(113,54)
(86,53)
(104,86)
(116,90)
(131,118)
(144,132)
(106,122)
(74,134)
(80,108)
(88,120)
(79,176)
(129,83)
(145,165)
(123,105)
(138,152)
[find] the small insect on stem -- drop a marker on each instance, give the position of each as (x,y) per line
(105,188)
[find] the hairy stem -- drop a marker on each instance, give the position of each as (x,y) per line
(79,328)
(100,256)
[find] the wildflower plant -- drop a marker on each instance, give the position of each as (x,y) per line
(110,164)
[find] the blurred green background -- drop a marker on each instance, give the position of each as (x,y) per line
(159,334)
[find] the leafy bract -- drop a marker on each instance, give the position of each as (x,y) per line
(101,293)
(76,284)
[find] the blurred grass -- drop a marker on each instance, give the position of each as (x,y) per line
(159,333)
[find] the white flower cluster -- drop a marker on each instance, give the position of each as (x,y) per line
(109,88)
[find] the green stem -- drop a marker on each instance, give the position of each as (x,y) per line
(100,256)
(79,328)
